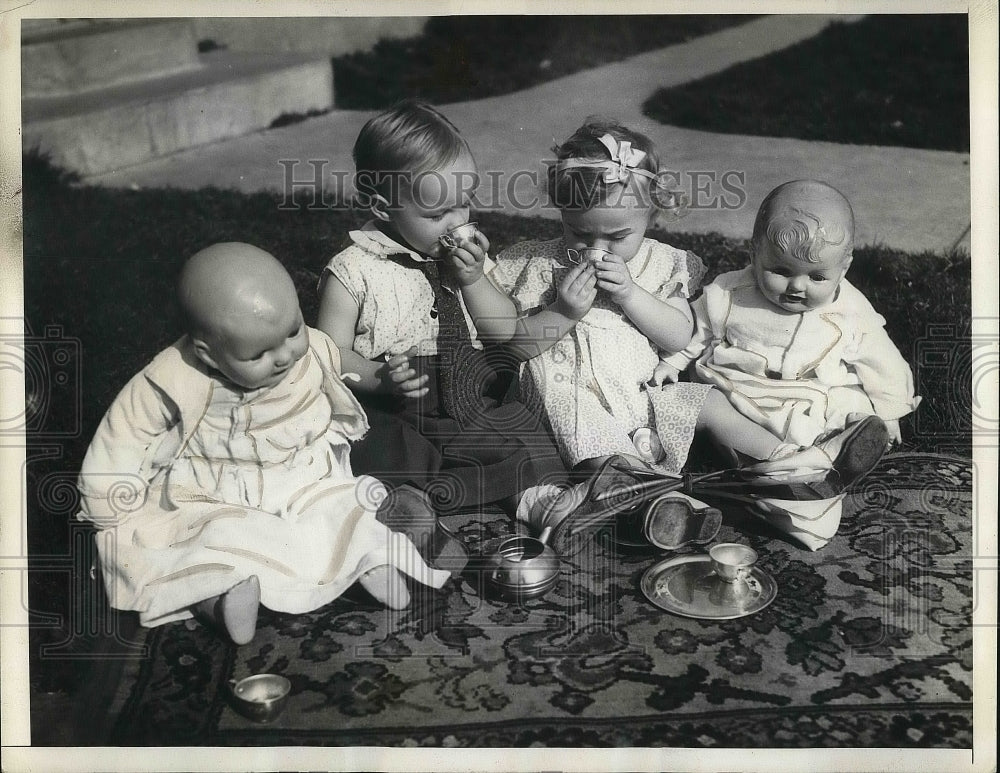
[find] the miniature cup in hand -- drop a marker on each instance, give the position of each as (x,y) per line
(459,234)
(732,562)
(587,255)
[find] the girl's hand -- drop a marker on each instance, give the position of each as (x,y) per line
(468,258)
(664,373)
(399,378)
(577,291)
(613,277)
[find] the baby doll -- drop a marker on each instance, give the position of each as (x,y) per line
(410,308)
(792,344)
(219,478)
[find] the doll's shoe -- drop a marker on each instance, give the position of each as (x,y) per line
(408,510)
(856,449)
(614,490)
(674,520)
(851,452)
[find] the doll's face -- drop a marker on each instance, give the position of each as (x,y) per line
(259,351)
(618,227)
(432,205)
(797,285)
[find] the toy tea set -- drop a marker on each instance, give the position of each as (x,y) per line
(723,583)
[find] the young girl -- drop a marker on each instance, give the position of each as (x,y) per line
(410,307)
(794,346)
(219,478)
(601,302)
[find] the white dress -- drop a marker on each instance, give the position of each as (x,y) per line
(797,374)
(261,485)
(592,382)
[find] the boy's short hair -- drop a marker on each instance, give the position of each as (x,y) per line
(582,187)
(801,231)
(408,138)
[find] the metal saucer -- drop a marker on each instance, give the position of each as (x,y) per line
(687,586)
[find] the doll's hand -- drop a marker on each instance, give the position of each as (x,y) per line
(895,436)
(576,292)
(400,378)
(664,373)
(466,261)
(613,277)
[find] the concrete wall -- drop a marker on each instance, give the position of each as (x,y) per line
(332,36)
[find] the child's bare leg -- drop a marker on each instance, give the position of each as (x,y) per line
(235,611)
(386,584)
(731,429)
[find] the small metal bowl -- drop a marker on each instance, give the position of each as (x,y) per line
(260,698)
(523,568)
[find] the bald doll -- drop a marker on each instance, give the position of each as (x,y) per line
(220,480)
(792,344)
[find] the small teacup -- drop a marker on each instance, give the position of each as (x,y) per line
(260,698)
(587,255)
(732,562)
(459,234)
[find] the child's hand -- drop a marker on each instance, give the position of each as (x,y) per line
(399,378)
(895,436)
(664,373)
(468,258)
(613,277)
(577,291)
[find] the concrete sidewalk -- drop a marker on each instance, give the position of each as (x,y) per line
(908,199)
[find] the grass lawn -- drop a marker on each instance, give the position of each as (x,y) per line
(458,58)
(885,80)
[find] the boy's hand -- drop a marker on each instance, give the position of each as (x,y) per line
(664,373)
(577,291)
(468,258)
(895,436)
(399,378)
(613,277)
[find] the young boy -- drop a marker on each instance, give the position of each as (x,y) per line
(411,317)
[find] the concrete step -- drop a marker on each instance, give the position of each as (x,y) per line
(228,94)
(75,56)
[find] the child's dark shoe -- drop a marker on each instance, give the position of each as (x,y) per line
(674,520)
(408,510)
(584,509)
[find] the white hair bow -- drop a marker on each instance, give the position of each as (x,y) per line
(625,157)
(624,161)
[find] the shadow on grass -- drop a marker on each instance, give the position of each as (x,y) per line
(885,80)
(459,58)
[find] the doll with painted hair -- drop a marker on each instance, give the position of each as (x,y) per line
(789,341)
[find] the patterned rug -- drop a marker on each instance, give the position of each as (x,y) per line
(867,644)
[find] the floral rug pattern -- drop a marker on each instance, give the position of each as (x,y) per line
(867,644)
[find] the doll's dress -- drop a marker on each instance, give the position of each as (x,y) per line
(263,486)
